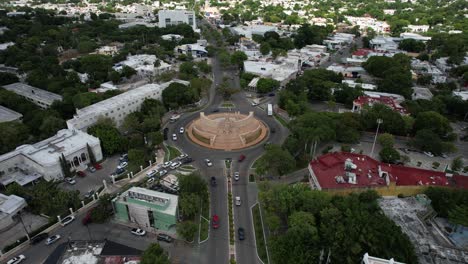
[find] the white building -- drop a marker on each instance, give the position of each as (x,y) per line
(422,68)
(10,205)
(282,72)
(365,86)
(117,107)
(137,23)
(143,64)
(107,50)
(42,98)
(196,50)
(176,17)
(172,37)
(8,115)
(4,46)
(368,22)
(414,36)
(249,31)
(373,260)
(347,71)
(463,95)
(421,93)
(28,163)
(381,43)
(418,28)
(338,40)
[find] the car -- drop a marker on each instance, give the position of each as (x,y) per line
(175,165)
(123,157)
(138,232)
(162,173)
(87,218)
(123,165)
(91,169)
(271,94)
(186,160)
(151,173)
(241,233)
(429,154)
(167,164)
(52,239)
(273,130)
(215,221)
(254,104)
(81,174)
(238,201)
(213,181)
(444,155)
(70,180)
(97,166)
(208,163)
(38,238)
(89,194)
(16,260)
(182,156)
(119,171)
(165,238)
(241,158)
(236,176)
(150,180)
(174,137)
(216,110)
(181,130)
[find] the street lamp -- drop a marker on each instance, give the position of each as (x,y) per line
(379,121)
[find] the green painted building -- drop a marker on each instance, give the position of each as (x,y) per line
(147,208)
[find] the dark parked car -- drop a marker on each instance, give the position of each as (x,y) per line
(241,158)
(81,174)
(165,238)
(165,132)
(271,94)
(213,181)
(241,233)
(216,110)
(186,160)
(38,238)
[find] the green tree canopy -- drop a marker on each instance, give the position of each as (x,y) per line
(265,85)
(275,161)
(155,254)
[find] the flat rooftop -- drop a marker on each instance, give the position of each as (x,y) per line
(7,115)
(33,92)
(167,202)
(10,203)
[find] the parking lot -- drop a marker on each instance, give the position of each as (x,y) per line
(92,181)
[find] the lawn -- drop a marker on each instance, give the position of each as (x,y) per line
(173,153)
(281,120)
(204,221)
(227,105)
(228,164)
(259,237)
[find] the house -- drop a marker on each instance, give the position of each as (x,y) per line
(172,37)
(347,71)
(176,17)
(338,40)
(8,115)
(28,163)
(366,100)
(426,68)
(421,93)
(144,65)
(137,23)
(10,206)
(147,208)
(117,107)
(365,86)
(282,72)
(249,31)
(417,28)
(4,46)
(107,50)
(195,50)
(42,98)
(382,43)
(374,260)
(343,171)
(414,36)
(463,95)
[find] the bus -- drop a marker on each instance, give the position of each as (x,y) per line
(270,110)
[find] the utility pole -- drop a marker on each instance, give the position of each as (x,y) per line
(379,121)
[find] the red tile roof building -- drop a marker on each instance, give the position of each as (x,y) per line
(361,101)
(343,170)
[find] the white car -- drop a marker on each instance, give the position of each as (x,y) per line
(52,239)
(429,154)
(182,156)
(175,165)
(16,260)
(162,173)
(208,163)
(236,175)
(150,180)
(174,137)
(182,130)
(67,220)
(238,201)
(151,173)
(138,232)
(167,164)
(122,165)
(70,180)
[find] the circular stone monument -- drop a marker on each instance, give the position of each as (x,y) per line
(227,131)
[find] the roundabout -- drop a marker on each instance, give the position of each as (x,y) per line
(227,131)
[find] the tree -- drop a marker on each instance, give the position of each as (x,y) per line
(114,77)
(92,157)
(238,58)
(427,140)
(65,167)
(459,215)
(111,140)
(131,124)
(457,164)
(154,254)
(128,72)
(265,48)
(12,134)
(389,155)
(177,94)
(50,125)
(187,230)
(275,161)
(189,205)
(386,140)
(412,45)
(433,121)
(7,78)
(103,210)
(266,85)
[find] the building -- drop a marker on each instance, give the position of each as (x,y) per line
(4,46)
(421,93)
(42,98)
(382,43)
(343,171)
(249,31)
(418,28)
(107,50)
(172,37)
(463,95)
(28,163)
(281,72)
(144,65)
(373,260)
(177,17)
(366,22)
(8,115)
(347,71)
(424,68)
(365,86)
(338,40)
(117,107)
(10,205)
(137,23)
(414,36)
(195,50)
(365,100)
(147,208)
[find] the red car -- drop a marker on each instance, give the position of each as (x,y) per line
(80,173)
(87,219)
(241,158)
(215,221)
(97,166)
